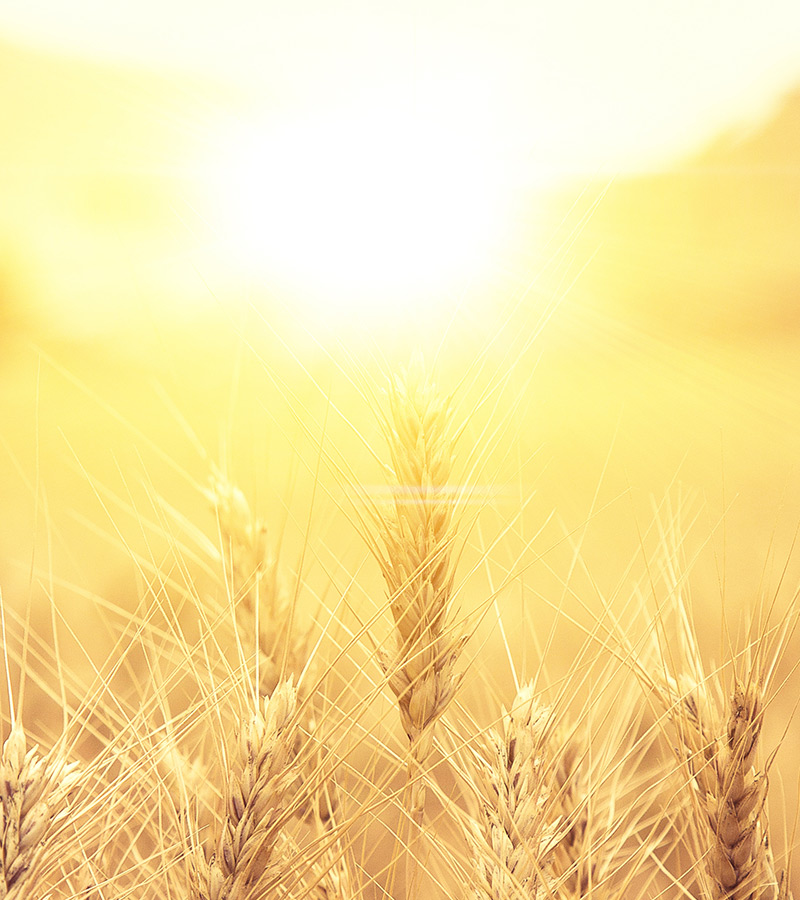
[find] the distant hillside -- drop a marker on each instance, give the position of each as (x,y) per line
(94,206)
(773,144)
(93,165)
(711,245)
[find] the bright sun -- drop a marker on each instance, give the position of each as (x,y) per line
(365,213)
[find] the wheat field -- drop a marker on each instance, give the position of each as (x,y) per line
(374,628)
(380,520)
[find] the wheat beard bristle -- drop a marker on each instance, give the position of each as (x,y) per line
(573,860)
(332,877)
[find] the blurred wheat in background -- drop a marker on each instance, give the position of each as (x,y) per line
(399,421)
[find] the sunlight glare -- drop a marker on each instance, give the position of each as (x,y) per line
(367,213)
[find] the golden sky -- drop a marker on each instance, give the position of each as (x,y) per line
(567,84)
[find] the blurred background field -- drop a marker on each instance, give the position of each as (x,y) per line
(168,302)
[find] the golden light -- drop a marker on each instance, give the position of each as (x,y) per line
(364,213)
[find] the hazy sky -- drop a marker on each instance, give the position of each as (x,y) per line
(577,83)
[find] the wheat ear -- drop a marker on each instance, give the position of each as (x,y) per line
(512,840)
(265,608)
(720,742)
(256,800)
(34,792)
(417,563)
(414,547)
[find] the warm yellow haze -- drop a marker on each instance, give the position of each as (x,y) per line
(222,229)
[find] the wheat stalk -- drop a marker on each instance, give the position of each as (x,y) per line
(574,863)
(331,876)
(598,804)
